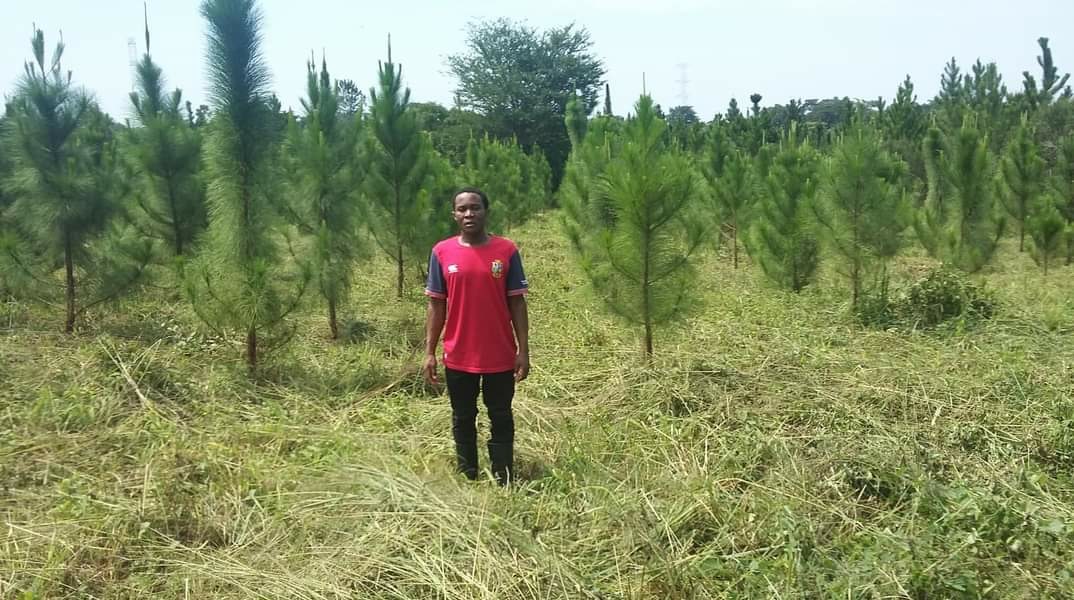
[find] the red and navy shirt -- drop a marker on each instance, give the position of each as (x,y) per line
(476,281)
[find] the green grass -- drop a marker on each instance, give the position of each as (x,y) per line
(774,448)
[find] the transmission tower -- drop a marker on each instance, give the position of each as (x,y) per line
(132,60)
(684,97)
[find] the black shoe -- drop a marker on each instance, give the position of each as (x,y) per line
(502,458)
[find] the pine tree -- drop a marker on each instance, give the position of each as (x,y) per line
(986,96)
(593,145)
(734,194)
(537,179)
(165,152)
(242,281)
(783,238)
(960,222)
(862,208)
(951,101)
(607,100)
(64,192)
(399,155)
(1021,175)
(498,168)
(733,112)
(730,184)
(1048,230)
(904,125)
(325,177)
(755,101)
(1051,83)
(1062,182)
(639,259)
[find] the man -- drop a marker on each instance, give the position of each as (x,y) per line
(477,292)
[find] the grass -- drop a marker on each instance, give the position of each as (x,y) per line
(774,448)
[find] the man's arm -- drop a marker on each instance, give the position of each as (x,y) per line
(434,325)
(521,321)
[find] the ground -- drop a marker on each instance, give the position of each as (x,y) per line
(772,448)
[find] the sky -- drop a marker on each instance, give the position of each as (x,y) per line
(696,52)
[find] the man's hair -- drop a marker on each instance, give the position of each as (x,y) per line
(471,190)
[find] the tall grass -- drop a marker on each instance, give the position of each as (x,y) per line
(773,448)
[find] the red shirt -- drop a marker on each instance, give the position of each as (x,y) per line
(476,281)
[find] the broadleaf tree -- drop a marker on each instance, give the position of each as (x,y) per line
(521,79)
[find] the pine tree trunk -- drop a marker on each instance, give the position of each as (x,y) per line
(251,348)
(399,270)
(176,228)
(734,242)
(69,267)
(646,308)
(398,247)
(332,324)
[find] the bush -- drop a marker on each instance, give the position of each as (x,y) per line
(876,308)
(943,295)
(940,296)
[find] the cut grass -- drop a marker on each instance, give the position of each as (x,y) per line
(773,448)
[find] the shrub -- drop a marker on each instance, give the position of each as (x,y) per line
(942,295)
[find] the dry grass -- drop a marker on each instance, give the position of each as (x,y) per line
(773,448)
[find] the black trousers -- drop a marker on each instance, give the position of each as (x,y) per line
(497,391)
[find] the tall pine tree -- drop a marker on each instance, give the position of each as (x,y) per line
(243,281)
(165,152)
(1021,177)
(961,221)
(325,176)
(593,145)
(638,257)
(731,189)
(64,192)
(783,237)
(399,154)
(1062,183)
(862,208)
(1051,83)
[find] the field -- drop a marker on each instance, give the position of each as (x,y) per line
(773,448)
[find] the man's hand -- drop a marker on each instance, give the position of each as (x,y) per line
(522,366)
(428,369)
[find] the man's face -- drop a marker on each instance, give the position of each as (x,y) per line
(469,212)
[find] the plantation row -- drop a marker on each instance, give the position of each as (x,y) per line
(247,209)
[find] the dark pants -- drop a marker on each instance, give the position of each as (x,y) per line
(497,391)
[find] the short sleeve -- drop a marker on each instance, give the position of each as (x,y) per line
(434,286)
(516,276)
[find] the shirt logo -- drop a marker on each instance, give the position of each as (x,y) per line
(497,268)
(453,268)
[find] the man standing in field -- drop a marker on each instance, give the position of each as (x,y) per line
(477,297)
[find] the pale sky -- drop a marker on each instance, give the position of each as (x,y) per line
(781,48)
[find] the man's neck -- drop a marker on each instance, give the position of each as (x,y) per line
(474,239)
